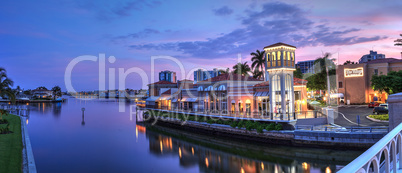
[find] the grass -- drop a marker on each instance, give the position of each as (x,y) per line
(11,146)
(382,117)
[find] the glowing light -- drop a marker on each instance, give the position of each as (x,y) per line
(262,166)
(206,162)
(136,132)
(325,98)
(304,101)
(180,152)
(305,165)
(327,170)
(26,121)
(160,143)
(27,103)
(192,150)
(375,94)
(242,170)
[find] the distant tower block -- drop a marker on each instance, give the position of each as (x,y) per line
(280,64)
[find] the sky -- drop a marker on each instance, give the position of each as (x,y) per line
(39,40)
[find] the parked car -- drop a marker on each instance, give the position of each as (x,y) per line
(374,104)
(380,110)
(384,105)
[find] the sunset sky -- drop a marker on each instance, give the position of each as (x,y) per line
(38,39)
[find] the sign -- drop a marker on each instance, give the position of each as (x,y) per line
(355,72)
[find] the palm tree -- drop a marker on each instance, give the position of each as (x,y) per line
(257,74)
(56,92)
(322,66)
(242,68)
(224,71)
(398,42)
(258,60)
(5,85)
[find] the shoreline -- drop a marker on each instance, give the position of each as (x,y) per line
(297,138)
(28,160)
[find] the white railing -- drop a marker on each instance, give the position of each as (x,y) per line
(383,156)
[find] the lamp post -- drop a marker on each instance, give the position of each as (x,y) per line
(83,121)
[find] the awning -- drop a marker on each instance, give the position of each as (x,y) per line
(189,99)
(152,99)
(165,98)
(261,94)
(174,100)
(209,88)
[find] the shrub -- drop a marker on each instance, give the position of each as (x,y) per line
(383,117)
(210,121)
(260,128)
(234,124)
(278,127)
(240,124)
(270,127)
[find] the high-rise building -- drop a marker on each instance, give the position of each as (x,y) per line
(306,66)
(372,56)
(201,75)
(166,75)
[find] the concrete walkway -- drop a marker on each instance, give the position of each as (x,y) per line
(28,160)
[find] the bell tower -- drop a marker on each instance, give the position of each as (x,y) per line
(280,64)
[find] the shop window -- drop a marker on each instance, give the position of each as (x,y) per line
(240,107)
(297,95)
(340,85)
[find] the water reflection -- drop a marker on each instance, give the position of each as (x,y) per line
(219,156)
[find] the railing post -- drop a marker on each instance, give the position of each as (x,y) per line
(312,128)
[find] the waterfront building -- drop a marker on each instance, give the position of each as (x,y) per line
(306,66)
(162,93)
(370,57)
(167,75)
(201,75)
(280,65)
(282,97)
(354,80)
(227,94)
(42,92)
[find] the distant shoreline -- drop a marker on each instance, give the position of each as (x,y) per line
(34,101)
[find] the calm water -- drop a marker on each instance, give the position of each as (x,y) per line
(110,141)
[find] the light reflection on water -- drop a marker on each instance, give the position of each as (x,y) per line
(109,141)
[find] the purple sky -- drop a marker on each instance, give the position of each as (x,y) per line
(38,39)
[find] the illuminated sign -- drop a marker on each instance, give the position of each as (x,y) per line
(355,72)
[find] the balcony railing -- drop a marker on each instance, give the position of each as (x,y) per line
(383,156)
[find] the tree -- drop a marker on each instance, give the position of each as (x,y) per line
(398,42)
(349,62)
(390,83)
(242,68)
(257,74)
(5,85)
(224,71)
(298,73)
(258,61)
(318,81)
(56,92)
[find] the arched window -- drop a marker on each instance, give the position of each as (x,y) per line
(273,59)
(293,59)
(289,93)
(279,58)
(288,64)
(268,60)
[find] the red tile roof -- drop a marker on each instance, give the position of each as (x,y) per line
(161,83)
(385,60)
(169,91)
(296,81)
(185,80)
(279,44)
(230,77)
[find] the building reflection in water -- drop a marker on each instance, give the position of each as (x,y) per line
(216,160)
